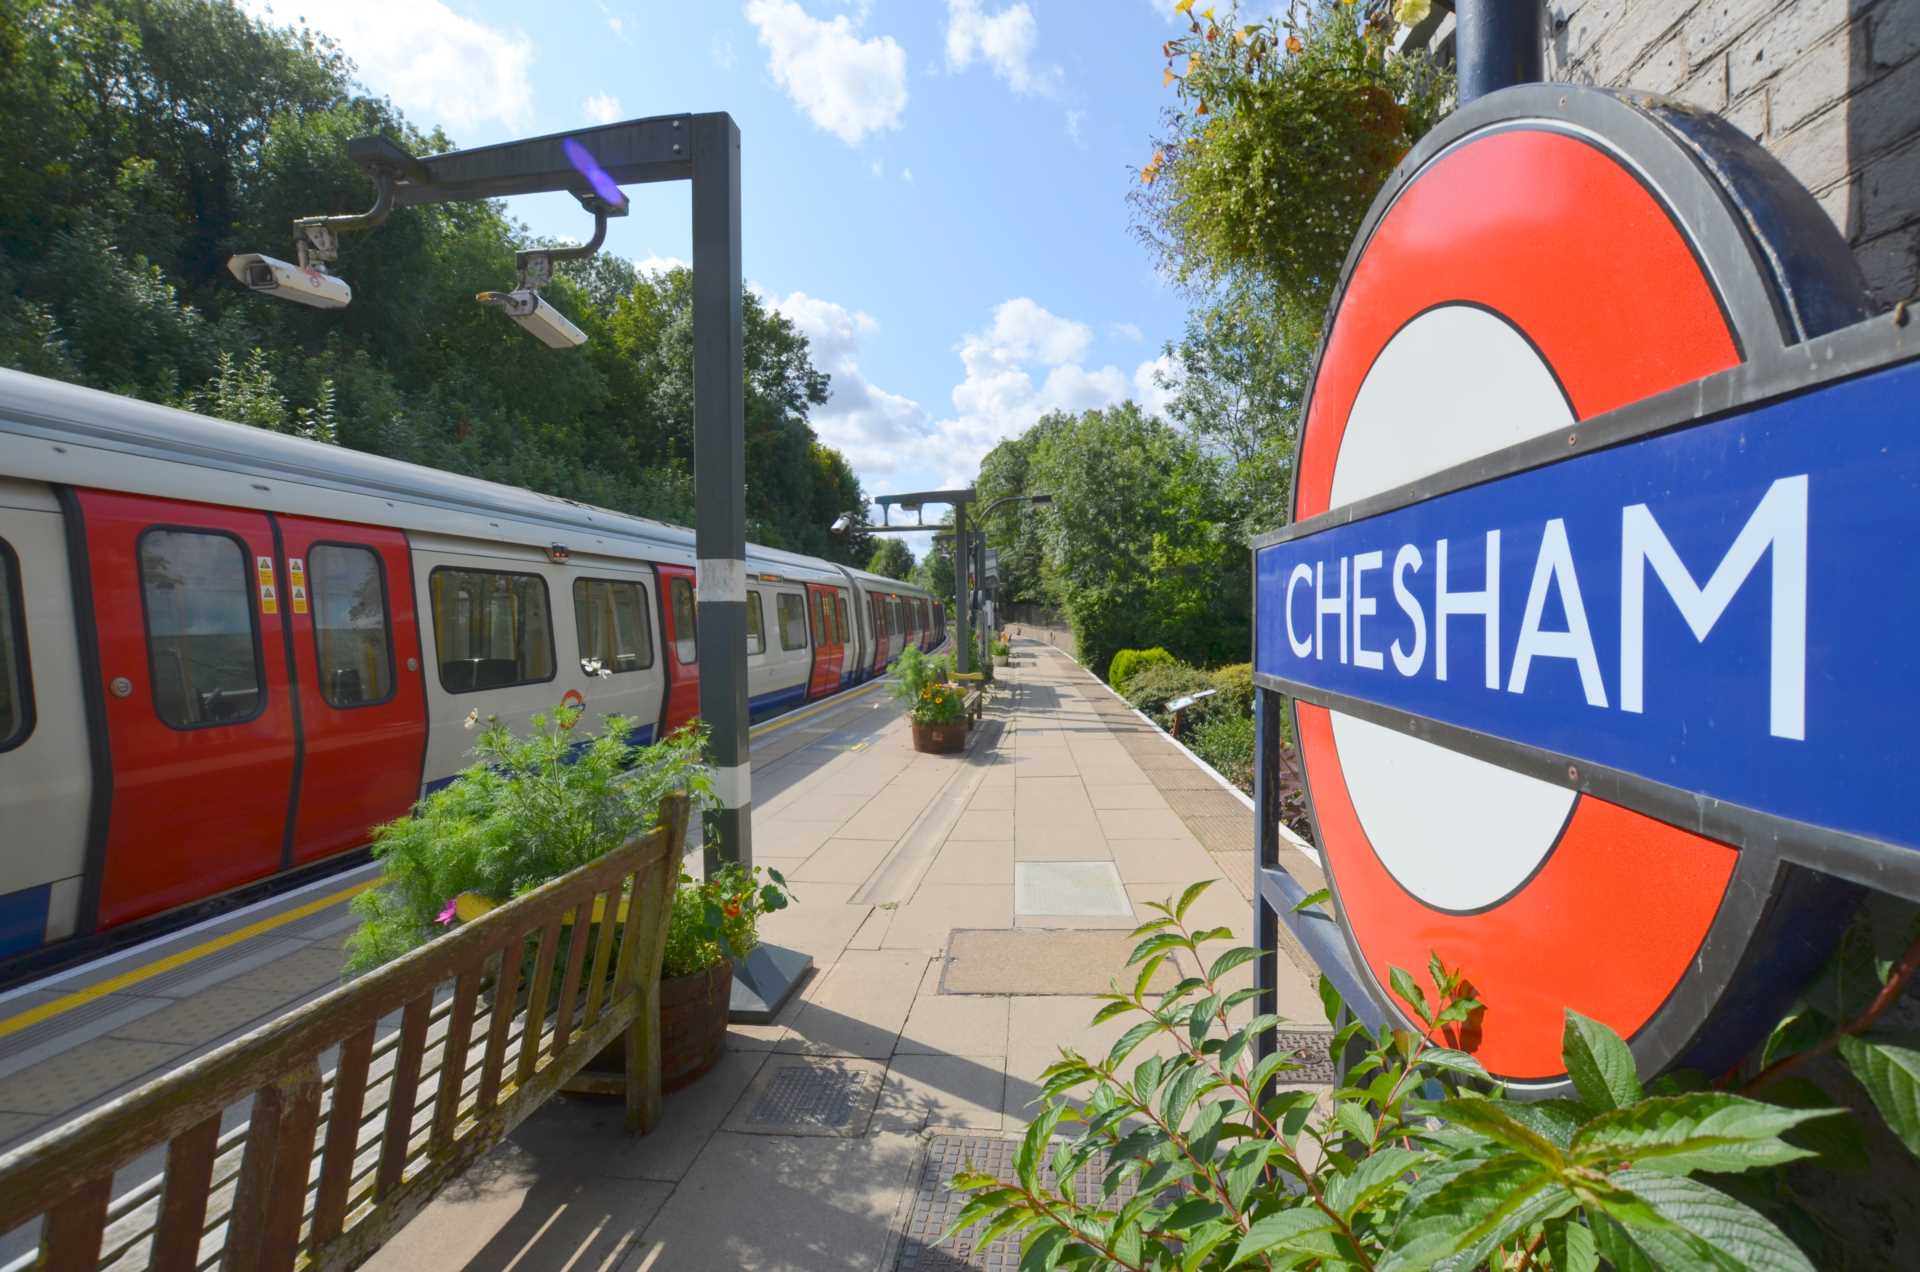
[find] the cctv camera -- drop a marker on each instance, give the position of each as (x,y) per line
(531,311)
(842,523)
(309,286)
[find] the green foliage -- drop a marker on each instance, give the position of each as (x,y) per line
(1225,741)
(1419,1160)
(1138,548)
(1286,129)
(527,811)
(719,917)
(1002,649)
(1151,689)
(1235,683)
(891,558)
(142,142)
(1127,662)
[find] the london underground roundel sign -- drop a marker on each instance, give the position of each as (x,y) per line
(1600,607)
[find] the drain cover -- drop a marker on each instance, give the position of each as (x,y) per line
(1080,889)
(935,1204)
(807,1095)
(1309,1047)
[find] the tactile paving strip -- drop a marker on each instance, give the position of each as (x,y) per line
(934,1204)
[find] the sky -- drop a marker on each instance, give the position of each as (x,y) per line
(934,191)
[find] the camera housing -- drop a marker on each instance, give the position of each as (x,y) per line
(528,308)
(283,279)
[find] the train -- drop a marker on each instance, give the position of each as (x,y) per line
(227,653)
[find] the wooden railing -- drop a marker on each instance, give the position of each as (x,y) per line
(355,1124)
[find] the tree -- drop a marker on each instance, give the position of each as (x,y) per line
(891,558)
(142,142)
(1137,551)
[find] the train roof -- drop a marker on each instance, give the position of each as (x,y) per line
(62,433)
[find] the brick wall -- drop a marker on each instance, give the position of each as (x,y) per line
(1831,87)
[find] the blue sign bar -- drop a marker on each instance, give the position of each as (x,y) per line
(1730,609)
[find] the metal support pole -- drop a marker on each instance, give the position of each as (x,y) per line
(962,590)
(1497,44)
(720,480)
(768,976)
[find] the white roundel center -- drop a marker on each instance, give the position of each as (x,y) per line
(1454,384)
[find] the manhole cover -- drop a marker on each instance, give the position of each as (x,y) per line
(1079,889)
(805,1095)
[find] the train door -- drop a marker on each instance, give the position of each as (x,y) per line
(616,637)
(877,609)
(849,638)
(356,654)
(202,731)
(829,646)
(678,636)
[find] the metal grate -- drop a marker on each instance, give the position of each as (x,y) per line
(1310,1048)
(934,1204)
(810,1096)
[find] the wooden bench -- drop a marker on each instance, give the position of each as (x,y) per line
(467,1068)
(974,683)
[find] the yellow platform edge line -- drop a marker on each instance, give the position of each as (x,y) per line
(67,1002)
(180,958)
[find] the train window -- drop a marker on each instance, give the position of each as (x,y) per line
(492,628)
(686,632)
(352,640)
(793,620)
(610,618)
(16,690)
(879,623)
(756,625)
(819,619)
(202,647)
(840,613)
(893,615)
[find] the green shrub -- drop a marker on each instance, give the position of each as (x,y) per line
(1128,663)
(1225,741)
(528,811)
(1152,688)
(1418,1160)
(1235,683)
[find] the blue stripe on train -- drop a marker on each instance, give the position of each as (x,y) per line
(23,919)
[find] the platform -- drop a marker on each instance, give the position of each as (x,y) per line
(961,912)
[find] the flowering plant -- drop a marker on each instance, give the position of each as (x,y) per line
(939,703)
(719,918)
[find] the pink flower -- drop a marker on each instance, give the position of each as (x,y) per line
(448,915)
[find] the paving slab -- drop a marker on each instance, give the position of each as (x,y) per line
(1130,795)
(843,860)
(967,861)
(938,908)
(1040,961)
(860,1006)
(1164,861)
(943,1090)
(954,1023)
(519,1209)
(783,1204)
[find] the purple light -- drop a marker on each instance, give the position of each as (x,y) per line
(585,164)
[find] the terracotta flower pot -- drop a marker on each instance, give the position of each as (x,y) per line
(940,739)
(693,1027)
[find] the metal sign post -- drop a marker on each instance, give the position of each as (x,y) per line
(1595,613)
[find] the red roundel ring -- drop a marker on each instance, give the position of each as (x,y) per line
(1521,269)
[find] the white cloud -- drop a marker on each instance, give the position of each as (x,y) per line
(602,108)
(722,51)
(1004,41)
(1023,331)
(1126,331)
(615,23)
(659,264)
(846,85)
(1148,390)
(438,66)
(1074,119)
(873,428)
(878,167)
(906,175)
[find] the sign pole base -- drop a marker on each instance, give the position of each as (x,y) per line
(764,980)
